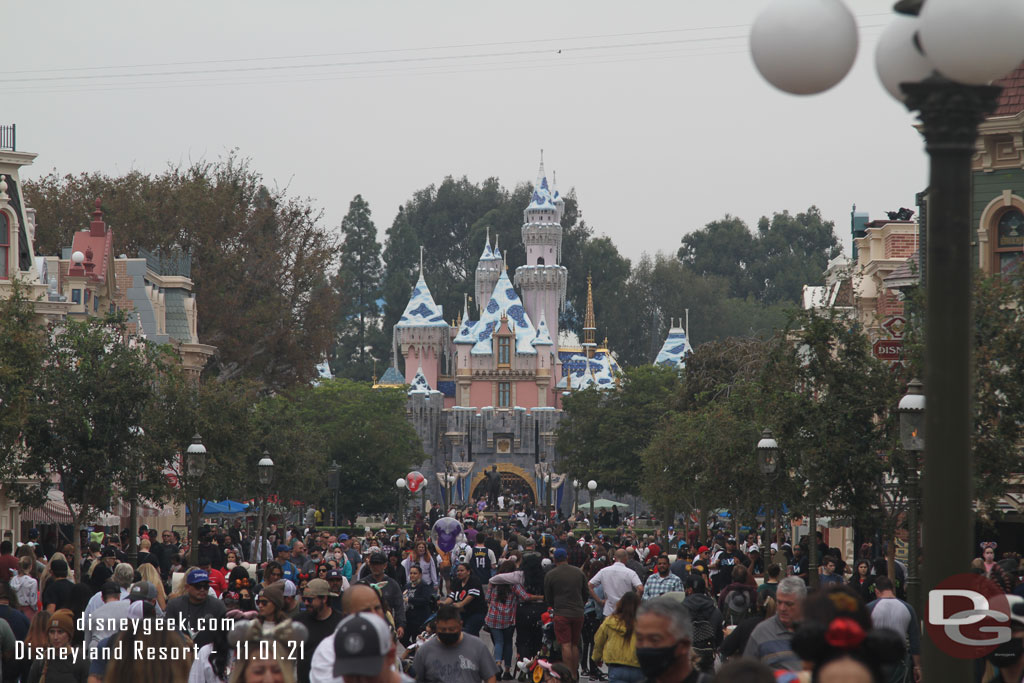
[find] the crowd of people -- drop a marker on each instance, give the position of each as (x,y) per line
(520,596)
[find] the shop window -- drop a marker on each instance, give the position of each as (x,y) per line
(76,296)
(1009,240)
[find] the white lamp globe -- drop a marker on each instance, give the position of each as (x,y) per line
(804,47)
(400,482)
(77,258)
(897,59)
(592,485)
(975,41)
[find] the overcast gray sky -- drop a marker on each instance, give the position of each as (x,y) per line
(652,110)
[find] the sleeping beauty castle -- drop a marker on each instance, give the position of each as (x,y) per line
(486,390)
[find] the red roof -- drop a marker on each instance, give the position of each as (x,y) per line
(1011,100)
(97,244)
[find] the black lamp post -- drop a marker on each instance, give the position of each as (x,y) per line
(937,57)
(265,473)
(133,508)
(911,410)
(195,466)
(768,462)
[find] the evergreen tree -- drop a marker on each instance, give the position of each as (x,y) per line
(401,254)
(358,282)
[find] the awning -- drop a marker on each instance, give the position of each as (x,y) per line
(55,511)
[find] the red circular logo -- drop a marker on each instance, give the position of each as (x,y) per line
(413,481)
(967,616)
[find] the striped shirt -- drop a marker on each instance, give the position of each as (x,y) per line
(771,644)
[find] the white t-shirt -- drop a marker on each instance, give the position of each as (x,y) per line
(617,580)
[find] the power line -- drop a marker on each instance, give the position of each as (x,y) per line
(370,52)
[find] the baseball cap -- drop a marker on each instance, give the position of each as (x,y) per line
(377,558)
(143,590)
(197,576)
(361,644)
(334,574)
(343,537)
(110,588)
(317,588)
(109,552)
(284,548)
(289,588)
(703,549)
(560,554)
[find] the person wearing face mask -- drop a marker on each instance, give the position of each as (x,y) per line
(888,611)
(454,656)
(1008,657)
(663,636)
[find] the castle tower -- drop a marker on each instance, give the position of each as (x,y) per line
(421,334)
(542,280)
(488,270)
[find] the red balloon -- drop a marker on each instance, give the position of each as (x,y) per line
(414,481)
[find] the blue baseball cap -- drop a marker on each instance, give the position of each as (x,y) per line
(560,554)
(197,576)
(335,574)
(284,548)
(343,537)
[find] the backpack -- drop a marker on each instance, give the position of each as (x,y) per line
(738,606)
(703,637)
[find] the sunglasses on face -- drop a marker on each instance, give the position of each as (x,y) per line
(308,600)
(262,602)
(201,586)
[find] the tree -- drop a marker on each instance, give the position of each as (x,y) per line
(722,248)
(829,404)
(259,258)
(603,433)
(401,257)
(90,396)
(360,339)
(365,431)
(21,361)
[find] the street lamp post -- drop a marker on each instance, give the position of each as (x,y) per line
(265,473)
(133,509)
(911,410)
(592,486)
(575,496)
(400,485)
(195,464)
(937,59)
(768,461)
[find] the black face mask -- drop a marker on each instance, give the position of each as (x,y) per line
(1007,653)
(449,638)
(655,661)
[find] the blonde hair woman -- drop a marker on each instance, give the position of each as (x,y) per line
(149,573)
(252,668)
(48,573)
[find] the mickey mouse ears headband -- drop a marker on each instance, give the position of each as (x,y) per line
(985,545)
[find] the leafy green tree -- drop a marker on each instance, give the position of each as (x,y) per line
(792,251)
(603,433)
(258,256)
(21,361)
(829,403)
(360,338)
(366,432)
(90,396)
(722,248)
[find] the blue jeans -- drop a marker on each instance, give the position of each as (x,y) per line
(502,638)
(472,623)
(617,673)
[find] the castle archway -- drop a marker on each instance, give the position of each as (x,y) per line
(514,480)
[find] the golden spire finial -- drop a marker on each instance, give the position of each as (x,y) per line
(589,321)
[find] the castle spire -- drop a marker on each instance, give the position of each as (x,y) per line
(589,321)
(421,261)
(540,171)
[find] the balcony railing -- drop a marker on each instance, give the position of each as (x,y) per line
(7,137)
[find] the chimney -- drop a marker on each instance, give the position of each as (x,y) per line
(97,228)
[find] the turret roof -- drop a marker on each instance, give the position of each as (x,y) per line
(391,378)
(420,384)
(543,337)
(504,301)
(581,372)
(675,349)
(421,310)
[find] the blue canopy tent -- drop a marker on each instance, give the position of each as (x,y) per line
(222,509)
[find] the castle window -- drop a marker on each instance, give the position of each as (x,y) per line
(1009,240)
(504,395)
(5,246)
(540,260)
(504,350)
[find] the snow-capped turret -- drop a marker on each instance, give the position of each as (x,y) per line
(676,347)
(488,269)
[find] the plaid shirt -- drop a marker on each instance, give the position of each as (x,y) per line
(502,614)
(656,585)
